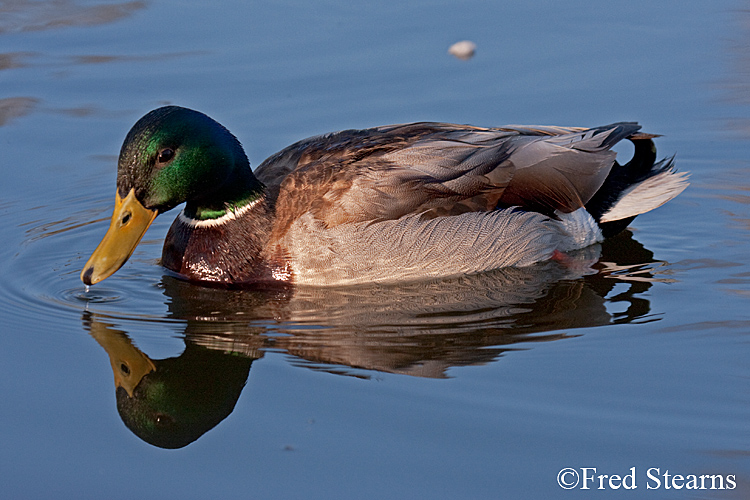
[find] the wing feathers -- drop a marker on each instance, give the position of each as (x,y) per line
(439,169)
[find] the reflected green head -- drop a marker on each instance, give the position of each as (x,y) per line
(184,397)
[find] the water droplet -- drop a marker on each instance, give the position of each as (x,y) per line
(87,288)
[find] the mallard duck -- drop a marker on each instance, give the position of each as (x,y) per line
(391,203)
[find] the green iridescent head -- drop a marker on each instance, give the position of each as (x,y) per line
(174,155)
(170,156)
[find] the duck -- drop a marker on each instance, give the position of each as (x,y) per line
(379,205)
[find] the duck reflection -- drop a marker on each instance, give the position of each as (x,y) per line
(171,402)
(420,329)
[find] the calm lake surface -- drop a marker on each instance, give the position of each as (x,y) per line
(481,387)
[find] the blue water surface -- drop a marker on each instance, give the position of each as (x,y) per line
(476,387)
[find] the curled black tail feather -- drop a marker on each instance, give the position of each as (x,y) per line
(621,177)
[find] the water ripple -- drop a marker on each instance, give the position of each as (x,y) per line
(42,286)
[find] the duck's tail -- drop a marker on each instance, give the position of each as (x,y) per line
(637,187)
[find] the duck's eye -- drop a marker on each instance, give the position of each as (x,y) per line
(165,155)
(163,420)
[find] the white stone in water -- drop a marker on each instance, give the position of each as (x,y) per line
(463,50)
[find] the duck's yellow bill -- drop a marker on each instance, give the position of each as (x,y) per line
(130,220)
(129,363)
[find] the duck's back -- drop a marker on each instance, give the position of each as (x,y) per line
(438,169)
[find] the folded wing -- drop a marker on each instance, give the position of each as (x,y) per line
(439,169)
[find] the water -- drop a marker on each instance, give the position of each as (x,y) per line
(479,387)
